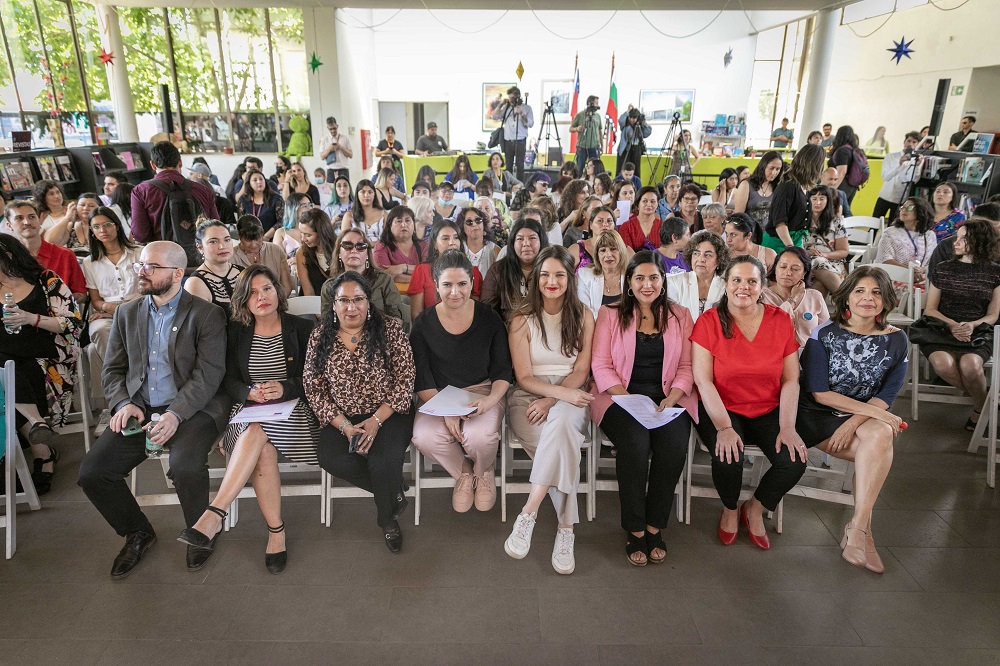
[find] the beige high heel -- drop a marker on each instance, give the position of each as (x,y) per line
(874,562)
(854,554)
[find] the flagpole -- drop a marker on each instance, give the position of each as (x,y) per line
(576,78)
(607,119)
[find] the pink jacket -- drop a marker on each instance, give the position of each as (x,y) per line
(614,354)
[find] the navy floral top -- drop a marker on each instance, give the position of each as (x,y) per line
(857,366)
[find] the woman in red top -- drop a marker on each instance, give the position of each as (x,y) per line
(642,230)
(422,291)
(746,367)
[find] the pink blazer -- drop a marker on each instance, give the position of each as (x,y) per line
(614,354)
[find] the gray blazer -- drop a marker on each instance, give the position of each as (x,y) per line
(197,353)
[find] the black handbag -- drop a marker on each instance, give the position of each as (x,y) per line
(496,137)
(932,331)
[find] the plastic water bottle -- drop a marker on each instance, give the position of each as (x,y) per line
(153,450)
(9,305)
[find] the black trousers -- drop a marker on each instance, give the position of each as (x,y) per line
(646,486)
(634,155)
(113,456)
(333,174)
(882,207)
(513,155)
(762,432)
(381,471)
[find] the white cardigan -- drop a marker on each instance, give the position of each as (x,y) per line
(682,288)
(590,287)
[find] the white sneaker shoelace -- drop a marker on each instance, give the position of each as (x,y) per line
(562,552)
(519,540)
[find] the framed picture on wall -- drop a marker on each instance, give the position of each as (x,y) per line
(560,94)
(493,95)
(660,105)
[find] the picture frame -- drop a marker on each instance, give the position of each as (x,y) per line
(659,105)
(560,93)
(493,95)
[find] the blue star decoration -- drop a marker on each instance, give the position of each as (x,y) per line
(900,49)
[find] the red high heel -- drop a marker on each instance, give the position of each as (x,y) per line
(727,538)
(762,541)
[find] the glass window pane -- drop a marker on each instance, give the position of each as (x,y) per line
(769,44)
(248,68)
(763,88)
(290,67)
(145,48)
(25,44)
(196,54)
(95,70)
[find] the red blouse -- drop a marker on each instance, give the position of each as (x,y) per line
(748,374)
(422,281)
(631,233)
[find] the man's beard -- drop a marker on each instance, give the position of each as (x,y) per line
(154,289)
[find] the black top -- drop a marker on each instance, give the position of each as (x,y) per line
(609,300)
(790,206)
(32,341)
(844,156)
(943,251)
(647,368)
(313,194)
(966,289)
(383,144)
(479,354)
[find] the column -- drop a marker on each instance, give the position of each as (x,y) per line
(121,92)
(819,72)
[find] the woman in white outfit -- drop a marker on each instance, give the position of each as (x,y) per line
(601,282)
(700,288)
(550,339)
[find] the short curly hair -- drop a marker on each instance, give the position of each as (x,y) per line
(719,245)
(982,242)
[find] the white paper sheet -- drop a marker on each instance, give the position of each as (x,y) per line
(624,212)
(276,411)
(450,401)
(644,410)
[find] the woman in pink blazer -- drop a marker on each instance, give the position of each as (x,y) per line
(641,347)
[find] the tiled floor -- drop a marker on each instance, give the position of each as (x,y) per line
(454,597)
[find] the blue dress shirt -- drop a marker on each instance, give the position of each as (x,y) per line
(159,388)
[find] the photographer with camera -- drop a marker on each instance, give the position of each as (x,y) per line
(631,145)
(899,169)
(517,118)
(587,124)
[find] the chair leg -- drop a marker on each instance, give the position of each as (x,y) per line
(416,485)
(914,382)
(504,454)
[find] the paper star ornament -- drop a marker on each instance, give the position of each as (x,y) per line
(900,49)
(315,62)
(107,58)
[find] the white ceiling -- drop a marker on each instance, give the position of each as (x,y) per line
(807,6)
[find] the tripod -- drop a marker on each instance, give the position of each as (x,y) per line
(548,126)
(684,169)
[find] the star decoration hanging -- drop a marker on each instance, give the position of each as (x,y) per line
(519,71)
(107,58)
(900,49)
(728,58)
(315,62)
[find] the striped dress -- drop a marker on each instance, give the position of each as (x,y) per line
(295,438)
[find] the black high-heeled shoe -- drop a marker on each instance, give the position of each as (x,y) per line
(43,479)
(970,425)
(275,562)
(193,537)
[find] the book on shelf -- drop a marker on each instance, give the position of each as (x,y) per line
(4,181)
(99,162)
(65,167)
(19,174)
(982,144)
(47,168)
(972,170)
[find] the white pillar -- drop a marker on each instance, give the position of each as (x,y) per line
(121,92)
(819,72)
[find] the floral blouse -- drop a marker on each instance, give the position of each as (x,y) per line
(349,384)
(946,227)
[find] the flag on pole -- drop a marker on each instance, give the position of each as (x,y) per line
(576,100)
(612,111)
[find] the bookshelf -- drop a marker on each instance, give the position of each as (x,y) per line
(19,171)
(95,161)
(976,176)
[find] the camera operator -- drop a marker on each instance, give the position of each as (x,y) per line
(587,124)
(898,170)
(517,118)
(631,145)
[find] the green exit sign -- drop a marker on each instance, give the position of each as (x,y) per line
(957,90)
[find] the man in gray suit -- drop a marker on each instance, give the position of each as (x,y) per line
(166,354)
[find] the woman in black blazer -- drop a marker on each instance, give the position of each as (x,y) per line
(265,360)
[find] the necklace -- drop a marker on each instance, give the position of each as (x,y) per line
(353,336)
(607,289)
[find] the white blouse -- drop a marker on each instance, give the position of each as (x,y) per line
(114,282)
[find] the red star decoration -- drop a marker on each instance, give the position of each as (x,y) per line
(107,58)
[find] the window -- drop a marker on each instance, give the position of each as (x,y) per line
(778,78)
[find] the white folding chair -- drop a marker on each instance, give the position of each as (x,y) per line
(986,428)
(602,463)
(304,305)
(422,482)
(15,466)
(332,492)
(82,420)
(509,442)
(755,473)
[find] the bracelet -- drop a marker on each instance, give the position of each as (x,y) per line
(38,320)
(343,426)
(377,420)
(726,428)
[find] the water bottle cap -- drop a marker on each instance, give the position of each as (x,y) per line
(154,417)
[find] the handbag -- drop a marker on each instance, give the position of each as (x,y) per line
(932,331)
(496,137)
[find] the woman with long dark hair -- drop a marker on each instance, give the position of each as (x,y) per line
(367,213)
(506,283)
(265,362)
(789,287)
(463,177)
(738,231)
(746,366)
(258,199)
(642,230)
(947,216)
(317,254)
(910,239)
(341,201)
(353,253)
(398,251)
(570,200)
(358,379)
(599,220)
(297,182)
(964,293)
(57,216)
(642,347)
(826,243)
(215,280)
(423,293)
(121,203)
(788,216)
(550,341)
(852,370)
(753,196)
(724,191)
(842,158)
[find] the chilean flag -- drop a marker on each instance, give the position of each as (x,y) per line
(574,109)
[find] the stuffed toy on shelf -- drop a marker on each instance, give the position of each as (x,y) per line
(301,143)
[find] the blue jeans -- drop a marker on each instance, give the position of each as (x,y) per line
(583,155)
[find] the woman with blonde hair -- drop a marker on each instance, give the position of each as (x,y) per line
(602,282)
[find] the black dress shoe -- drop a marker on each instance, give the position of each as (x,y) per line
(198,557)
(393,537)
(196,538)
(401,504)
(136,545)
(275,562)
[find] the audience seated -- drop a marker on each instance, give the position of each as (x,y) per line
(702,287)
(354,253)
(674,236)
(641,346)
(22,216)
(597,219)
(367,213)
(462,343)
(826,243)
(259,200)
(215,279)
(463,177)
(58,217)
(341,202)
(789,288)
(550,344)
(538,185)
(150,197)
(423,290)
(477,237)
(506,283)
(947,216)
(313,262)
(690,197)
(910,239)
(788,214)
(251,249)
(570,201)
(577,229)
(713,216)
(642,230)
(738,231)
(398,251)
(287,236)
(603,281)
(444,208)
(753,196)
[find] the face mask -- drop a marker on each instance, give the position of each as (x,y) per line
(442,201)
(319,180)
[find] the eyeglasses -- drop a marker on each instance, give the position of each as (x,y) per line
(472,222)
(690,199)
(910,208)
(106,225)
(141,268)
(351,246)
(356,302)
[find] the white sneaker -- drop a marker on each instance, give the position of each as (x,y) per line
(519,541)
(562,552)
